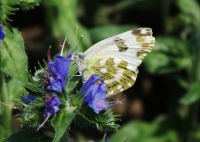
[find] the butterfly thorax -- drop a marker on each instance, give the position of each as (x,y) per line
(79,59)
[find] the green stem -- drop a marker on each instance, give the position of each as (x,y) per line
(6,111)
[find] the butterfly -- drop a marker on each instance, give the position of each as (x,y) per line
(116,59)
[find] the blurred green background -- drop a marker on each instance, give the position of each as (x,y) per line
(163,105)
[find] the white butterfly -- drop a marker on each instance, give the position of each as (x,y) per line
(116,58)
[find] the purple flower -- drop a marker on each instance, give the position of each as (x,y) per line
(27,99)
(52,105)
(95,94)
(2,34)
(59,70)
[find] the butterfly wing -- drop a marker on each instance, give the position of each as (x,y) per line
(116,58)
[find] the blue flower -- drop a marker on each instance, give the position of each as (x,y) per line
(52,105)
(91,81)
(95,93)
(59,70)
(60,66)
(107,138)
(2,34)
(27,99)
(56,84)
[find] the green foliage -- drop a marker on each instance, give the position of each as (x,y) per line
(102,15)
(113,30)
(12,55)
(29,135)
(32,113)
(105,122)
(73,84)
(8,7)
(169,55)
(34,83)
(143,132)
(9,91)
(193,94)
(62,122)
(189,13)
(195,47)
(65,22)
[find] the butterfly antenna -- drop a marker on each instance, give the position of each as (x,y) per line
(79,42)
(49,54)
(63,45)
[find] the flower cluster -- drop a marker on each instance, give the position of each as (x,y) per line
(57,97)
(55,76)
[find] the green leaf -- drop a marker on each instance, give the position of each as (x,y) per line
(62,122)
(29,135)
(13,59)
(193,94)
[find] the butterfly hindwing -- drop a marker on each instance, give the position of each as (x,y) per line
(114,71)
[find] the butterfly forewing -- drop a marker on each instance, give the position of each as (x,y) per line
(116,58)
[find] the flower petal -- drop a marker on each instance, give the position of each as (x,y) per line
(91,81)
